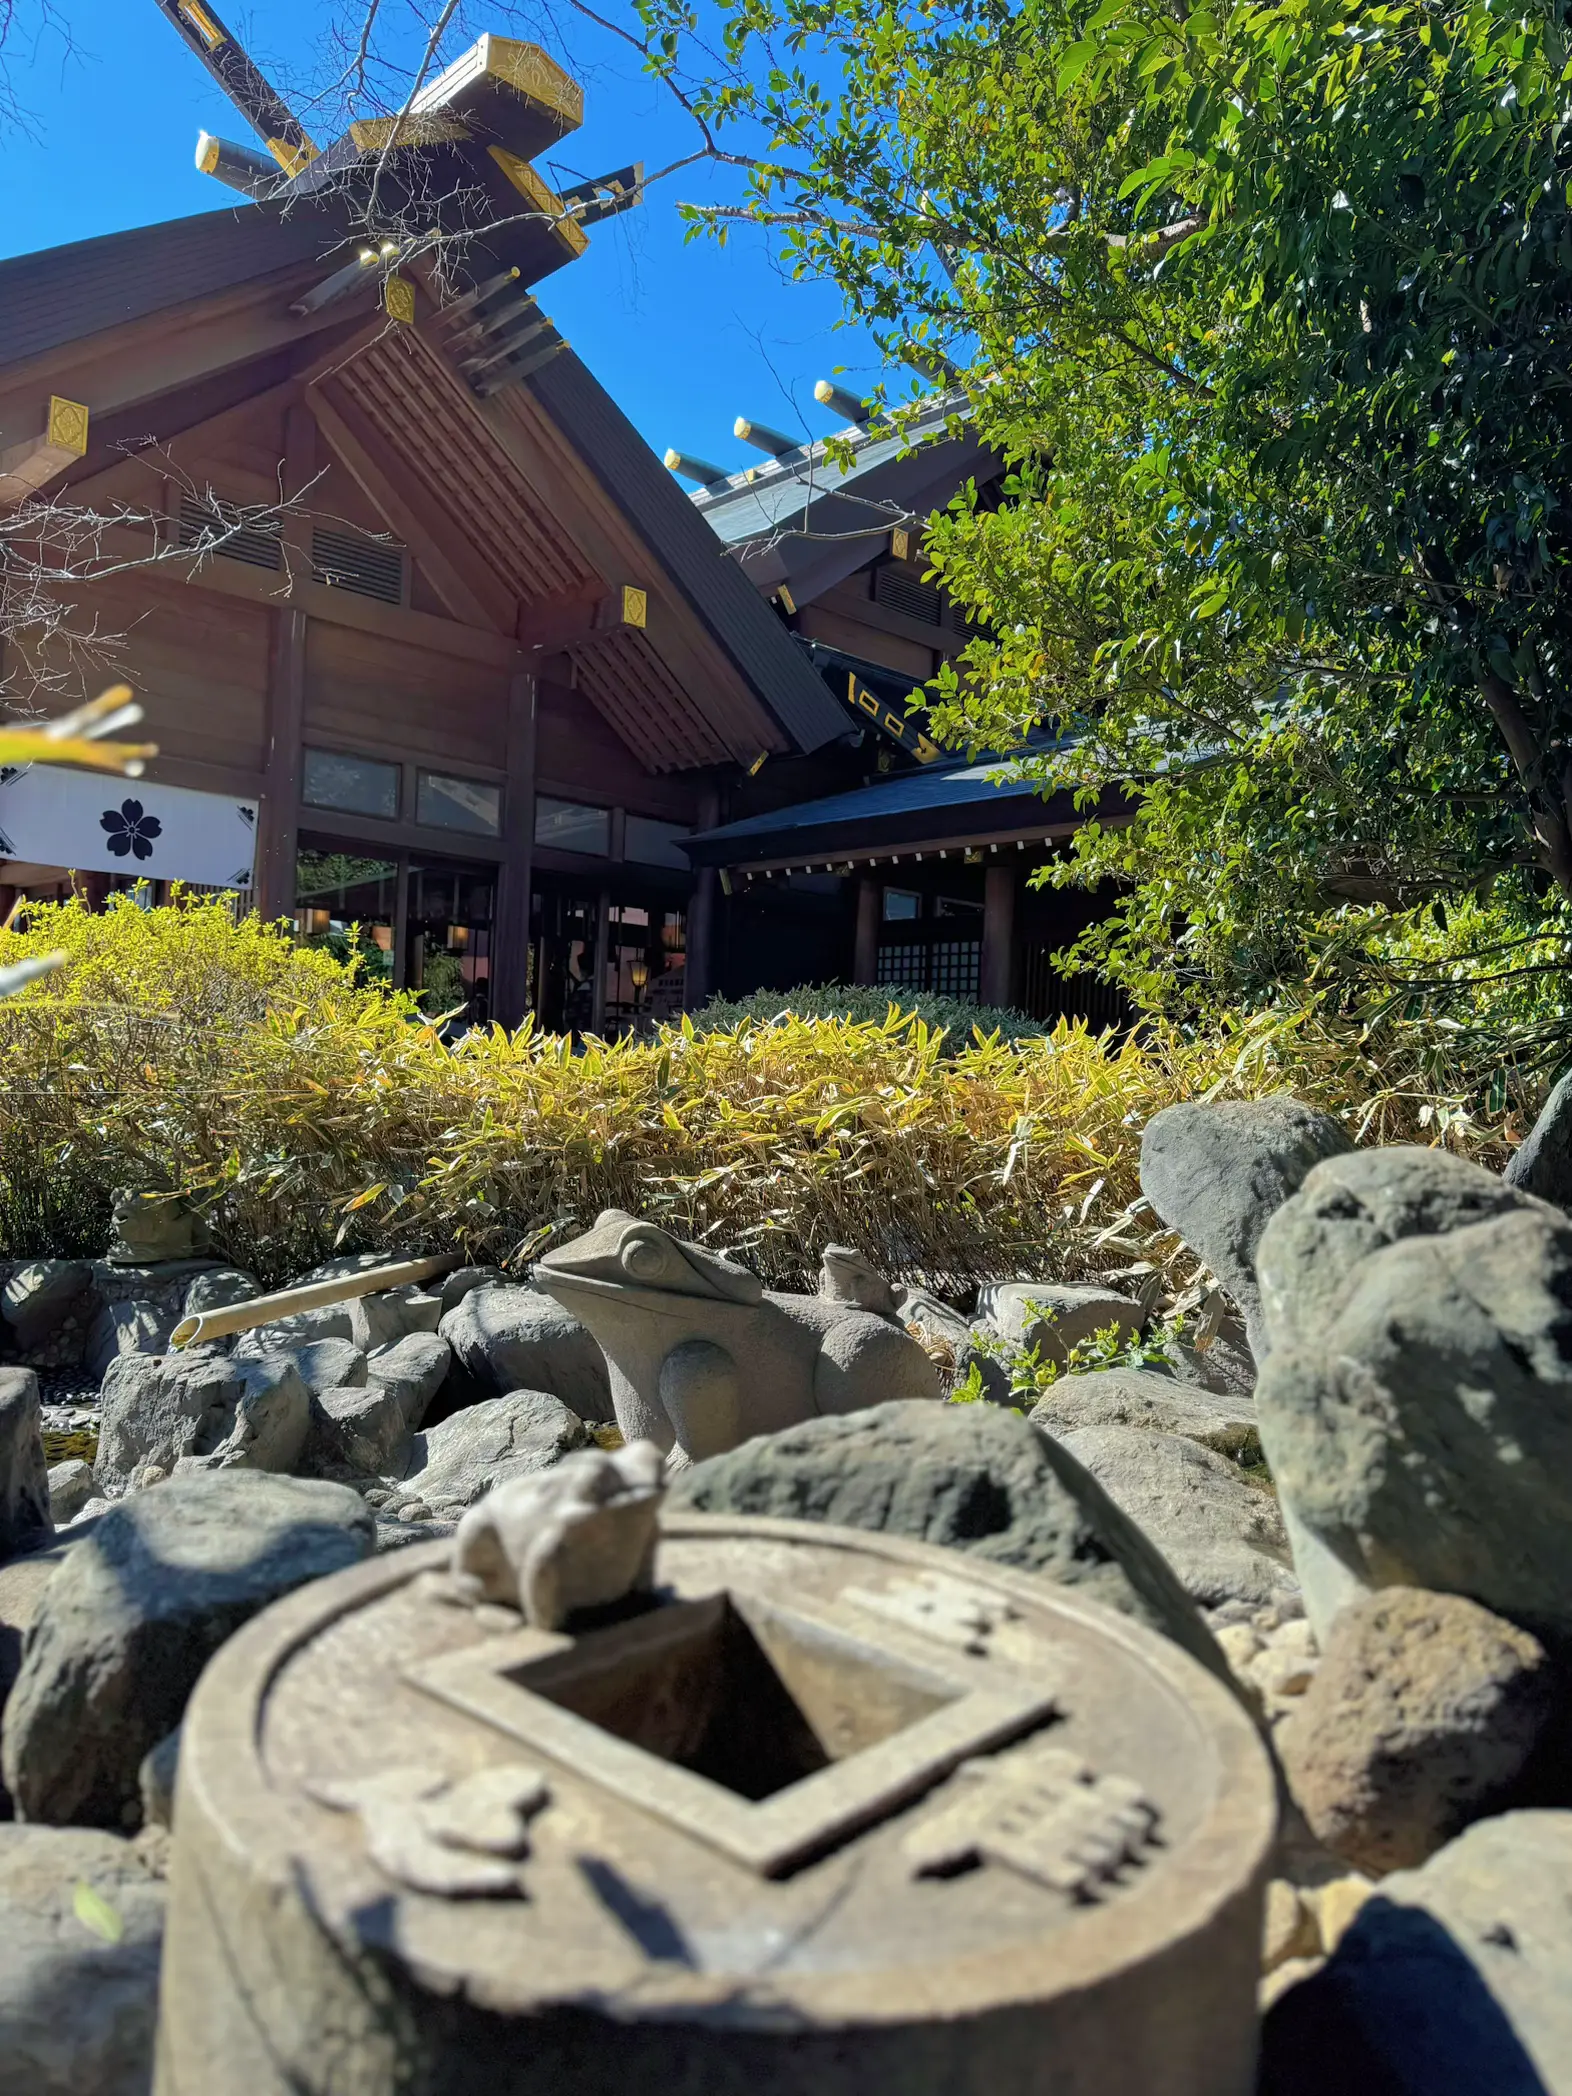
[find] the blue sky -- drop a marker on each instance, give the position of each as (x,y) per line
(684,335)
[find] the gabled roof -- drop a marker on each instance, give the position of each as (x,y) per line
(65,296)
(807,520)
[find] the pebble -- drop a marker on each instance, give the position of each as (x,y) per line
(1290,1930)
(1334,1906)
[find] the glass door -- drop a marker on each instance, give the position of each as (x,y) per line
(448,924)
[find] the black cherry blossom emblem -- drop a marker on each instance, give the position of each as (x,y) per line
(130,830)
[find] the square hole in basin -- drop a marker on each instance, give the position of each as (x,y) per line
(767,1732)
(752,1699)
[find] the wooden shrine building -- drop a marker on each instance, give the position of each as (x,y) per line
(433,632)
(430,642)
(882,859)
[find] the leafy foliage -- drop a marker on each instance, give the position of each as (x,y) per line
(958,1019)
(1267,305)
(1032,1373)
(307,1112)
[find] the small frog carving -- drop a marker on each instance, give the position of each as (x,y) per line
(703,1356)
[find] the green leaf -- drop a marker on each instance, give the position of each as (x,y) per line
(95,1913)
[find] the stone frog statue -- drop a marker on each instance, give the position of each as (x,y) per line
(151,1229)
(702,1356)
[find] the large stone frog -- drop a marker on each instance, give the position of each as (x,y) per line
(703,1356)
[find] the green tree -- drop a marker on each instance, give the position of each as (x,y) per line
(1271,308)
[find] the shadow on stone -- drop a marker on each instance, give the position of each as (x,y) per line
(1401,2010)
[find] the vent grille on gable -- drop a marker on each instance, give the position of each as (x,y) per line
(914,600)
(368,567)
(258,542)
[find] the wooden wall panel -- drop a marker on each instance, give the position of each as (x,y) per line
(198,662)
(854,638)
(365,692)
(578,752)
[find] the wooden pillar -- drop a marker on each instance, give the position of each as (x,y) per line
(997,983)
(90,889)
(278,819)
(515,876)
(865,960)
(700,966)
(602,956)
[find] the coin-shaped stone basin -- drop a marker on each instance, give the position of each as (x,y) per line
(835,1814)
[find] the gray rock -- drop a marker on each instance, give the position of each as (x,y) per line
(71,1486)
(1542,1163)
(458,1284)
(25,1518)
(1218,1173)
(458,1462)
(414,1368)
(1137,1397)
(130,1618)
(136,1327)
(1223,1536)
(1055,1318)
(1451,1980)
(344,1264)
(77,2010)
(1426,1440)
(1225,1369)
(329,1364)
(156,1781)
(1425,1708)
(514,1338)
(418,1309)
(220,1409)
(40,1297)
(972,1347)
(362,1428)
(287,1335)
(970,1477)
(218,1289)
(1352,1206)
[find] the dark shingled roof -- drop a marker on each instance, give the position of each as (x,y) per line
(66,293)
(957,801)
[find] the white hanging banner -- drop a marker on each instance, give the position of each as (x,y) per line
(98,822)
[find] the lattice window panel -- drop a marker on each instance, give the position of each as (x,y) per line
(948,967)
(906,965)
(955,967)
(258,542)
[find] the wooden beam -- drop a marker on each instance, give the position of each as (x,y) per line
(334,607)
(553,625)
(115,371)
(477,605)
(29,466)
(511,933)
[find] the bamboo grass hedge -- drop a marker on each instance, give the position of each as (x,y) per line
(306,1112)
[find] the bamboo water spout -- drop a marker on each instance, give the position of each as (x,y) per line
(314,1295)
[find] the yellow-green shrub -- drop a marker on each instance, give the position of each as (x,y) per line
(305,1111)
